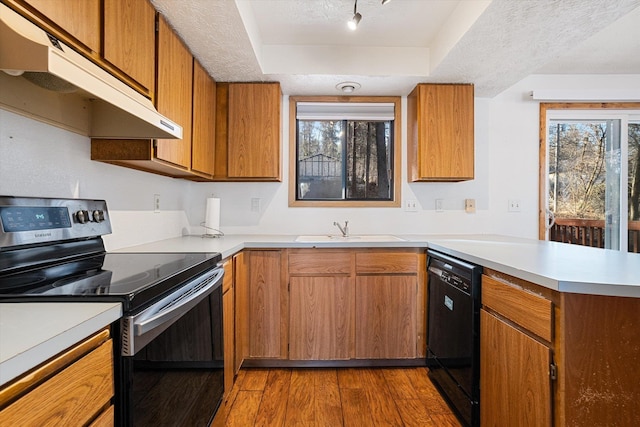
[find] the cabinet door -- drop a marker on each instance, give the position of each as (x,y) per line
(175,78)
(386,326)
(266,324)
(514,376)
(204,121)
(440,132)
(228,316)
(254,131)
(320,318)
(241,289)
(81,19)
(130,39)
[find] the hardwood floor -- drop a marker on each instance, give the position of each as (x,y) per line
(349,397)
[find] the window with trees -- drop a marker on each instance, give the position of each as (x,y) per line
(344,152)
(590,187)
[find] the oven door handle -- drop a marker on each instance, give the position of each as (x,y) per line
(178,303)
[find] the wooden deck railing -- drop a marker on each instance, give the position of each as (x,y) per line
(588,232)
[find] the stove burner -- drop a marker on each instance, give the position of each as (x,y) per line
(16,283)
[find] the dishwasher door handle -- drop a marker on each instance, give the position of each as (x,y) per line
(178,303)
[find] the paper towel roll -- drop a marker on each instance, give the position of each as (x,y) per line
(212,216)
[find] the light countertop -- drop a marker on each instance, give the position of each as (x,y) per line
(31,333)
(558,266)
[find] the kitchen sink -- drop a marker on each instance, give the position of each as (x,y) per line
(322,238)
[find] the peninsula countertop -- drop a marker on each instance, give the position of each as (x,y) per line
(558,266)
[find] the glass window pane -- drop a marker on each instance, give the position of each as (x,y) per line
(320,159)
(634,187)
(344,160)
(584,171)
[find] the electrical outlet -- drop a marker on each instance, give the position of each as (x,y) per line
(439,205)
(410,205)
(156,203)
(514,205)
(470,205)
(255,204)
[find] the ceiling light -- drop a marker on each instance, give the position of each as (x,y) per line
(385,1)
(348,87)
(353,23)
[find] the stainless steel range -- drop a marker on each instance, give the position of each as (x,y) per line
(170,365)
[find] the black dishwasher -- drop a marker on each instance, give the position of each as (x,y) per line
(453,337)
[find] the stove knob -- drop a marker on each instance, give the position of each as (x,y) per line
(82,217)
(98,216)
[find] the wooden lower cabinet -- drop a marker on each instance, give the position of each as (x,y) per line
(228,319)
(514,374)
(386,319)
(320,318)
(74,388)
(320,305)
(267,305)
(557,358)
(347,304)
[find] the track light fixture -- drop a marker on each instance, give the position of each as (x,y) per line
(353,23)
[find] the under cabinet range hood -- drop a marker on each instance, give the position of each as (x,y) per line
(46,79)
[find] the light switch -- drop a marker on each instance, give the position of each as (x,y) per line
(470,205)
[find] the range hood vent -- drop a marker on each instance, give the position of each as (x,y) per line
(114,110)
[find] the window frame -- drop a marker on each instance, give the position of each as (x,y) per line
(397,152)
(546,110)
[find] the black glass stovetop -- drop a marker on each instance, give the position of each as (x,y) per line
(135,279)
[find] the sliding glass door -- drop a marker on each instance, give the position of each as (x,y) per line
(591,181)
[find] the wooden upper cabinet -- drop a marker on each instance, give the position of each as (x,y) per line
(254,131)
(175,87)
(80,19)
(130,39)
(440,132)
(204,121)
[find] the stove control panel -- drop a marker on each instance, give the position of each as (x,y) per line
(32,220)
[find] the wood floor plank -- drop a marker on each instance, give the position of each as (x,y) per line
(350,377)
(244,410)
(349,397)
(231,396)
(381,403)
(399,384)
(255,379)
(273,407)
(427,392)
(445,420)
(328,407)
(300,405)
(354,407)
(414,413)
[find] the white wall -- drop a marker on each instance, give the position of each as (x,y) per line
(41,160)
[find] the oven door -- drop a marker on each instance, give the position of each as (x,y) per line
(172,358)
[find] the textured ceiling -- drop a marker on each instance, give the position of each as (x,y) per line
(305,45)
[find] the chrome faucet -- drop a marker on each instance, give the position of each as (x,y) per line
(345,230)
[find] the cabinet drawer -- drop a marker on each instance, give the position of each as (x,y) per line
(72,397)
(386,262)
(531,311)
(320,262)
